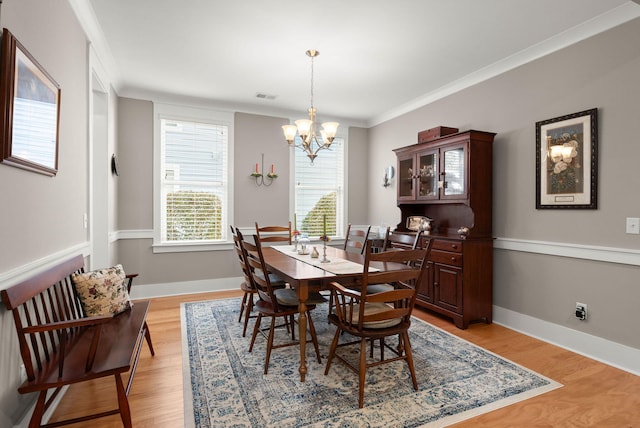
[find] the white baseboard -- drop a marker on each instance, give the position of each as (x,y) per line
(614,354)
(148,291)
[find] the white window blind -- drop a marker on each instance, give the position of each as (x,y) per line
(319,191)
(194,181)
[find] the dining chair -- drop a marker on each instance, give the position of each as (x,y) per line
(274,233)
(370,317)
(395,242)
(403,241)
(247,285)
(356,239)
(274,303)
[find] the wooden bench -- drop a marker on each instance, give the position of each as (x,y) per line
(60,346)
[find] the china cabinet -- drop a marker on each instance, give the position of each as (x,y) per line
(449,180)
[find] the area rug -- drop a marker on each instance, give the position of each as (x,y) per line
(224,384)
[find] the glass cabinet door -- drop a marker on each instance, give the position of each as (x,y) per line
(406,178)
(454,168)
(428,175)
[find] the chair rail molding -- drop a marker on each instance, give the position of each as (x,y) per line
(588,252)
(20,273)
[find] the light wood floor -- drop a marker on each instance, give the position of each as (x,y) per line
(593,395)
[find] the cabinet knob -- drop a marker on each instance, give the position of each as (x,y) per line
(454,246)
(453,259)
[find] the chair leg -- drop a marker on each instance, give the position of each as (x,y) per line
(332,350)
(293,326)
(409,357)
(269,344)
(38,412)
(314,337)
(123,402)
(247,314)
(242,304)
(147,336)
(362,371)
(256,328)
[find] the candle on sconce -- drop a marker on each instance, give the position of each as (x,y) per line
(256,168)
(295,222)
(272,169)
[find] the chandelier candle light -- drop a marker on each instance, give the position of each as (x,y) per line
(306,128)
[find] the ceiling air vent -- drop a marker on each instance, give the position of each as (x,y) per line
(265,96)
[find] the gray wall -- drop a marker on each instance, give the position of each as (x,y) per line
(253,135)
(40,215)
(600,72)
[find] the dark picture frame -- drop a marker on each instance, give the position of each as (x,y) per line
(567,161)
(29,110)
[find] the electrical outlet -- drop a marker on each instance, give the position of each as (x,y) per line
(633,225)
(581,311)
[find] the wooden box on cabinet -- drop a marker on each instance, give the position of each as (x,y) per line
(433,133)
(449,179)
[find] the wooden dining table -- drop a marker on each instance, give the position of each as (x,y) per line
(305,275)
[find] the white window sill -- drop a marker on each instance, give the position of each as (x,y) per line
(191,247)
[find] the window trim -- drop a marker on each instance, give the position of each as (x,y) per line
(192,114)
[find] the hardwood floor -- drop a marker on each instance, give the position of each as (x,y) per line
(593,395)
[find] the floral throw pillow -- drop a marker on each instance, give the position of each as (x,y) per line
(102,292)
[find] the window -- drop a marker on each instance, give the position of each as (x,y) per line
(319,190)
(193,149)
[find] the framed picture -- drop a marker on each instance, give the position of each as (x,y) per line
(29,110)
(567,161)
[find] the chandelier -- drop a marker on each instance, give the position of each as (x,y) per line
(306,128)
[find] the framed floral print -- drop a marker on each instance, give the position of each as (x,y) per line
(567,161)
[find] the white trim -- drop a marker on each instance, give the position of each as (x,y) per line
(597,348)
(603,22)
(26,271)
(89,22)
(577,251)
(134,234)
(149,291)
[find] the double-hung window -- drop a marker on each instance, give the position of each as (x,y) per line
(192,192)
(319,191)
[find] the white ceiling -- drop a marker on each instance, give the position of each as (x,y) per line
(379,58)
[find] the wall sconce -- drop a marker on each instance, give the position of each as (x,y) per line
(260,177)
(389,172)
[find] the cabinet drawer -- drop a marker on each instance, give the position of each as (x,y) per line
(454,246)
(446,257)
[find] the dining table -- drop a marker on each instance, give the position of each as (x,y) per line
(305,274)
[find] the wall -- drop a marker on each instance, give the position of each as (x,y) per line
(42,216)
(599,72)
(174,273)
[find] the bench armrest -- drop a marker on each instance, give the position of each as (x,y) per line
(59,325)
(63,326)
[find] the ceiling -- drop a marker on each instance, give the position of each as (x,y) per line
(378,58)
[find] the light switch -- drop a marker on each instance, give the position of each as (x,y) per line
(633,225)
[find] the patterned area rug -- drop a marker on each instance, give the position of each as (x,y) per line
(224,384)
